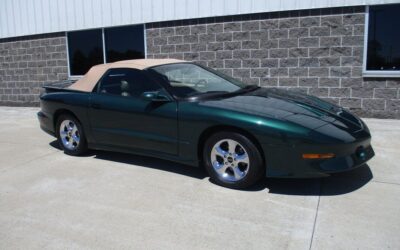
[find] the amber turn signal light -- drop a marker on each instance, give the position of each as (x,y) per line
(318,156)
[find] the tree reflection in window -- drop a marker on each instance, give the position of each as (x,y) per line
(124,43)
(85,50)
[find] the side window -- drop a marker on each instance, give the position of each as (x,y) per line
(126,82)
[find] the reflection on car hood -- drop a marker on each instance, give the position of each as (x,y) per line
(308,111)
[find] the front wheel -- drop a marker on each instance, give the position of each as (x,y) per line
(70,135)
(232,160)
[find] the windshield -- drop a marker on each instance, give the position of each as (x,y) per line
(187,80)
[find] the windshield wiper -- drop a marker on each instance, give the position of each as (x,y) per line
(208,93)
(247,88)
(251,87)
(175,81)
(221,92)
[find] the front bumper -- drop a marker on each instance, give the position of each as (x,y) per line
(287,161)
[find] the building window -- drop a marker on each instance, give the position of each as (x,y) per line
(383,44)
(85,49)
(91,47)
(124,43)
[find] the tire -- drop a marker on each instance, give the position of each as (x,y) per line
(70,135)
(236,168)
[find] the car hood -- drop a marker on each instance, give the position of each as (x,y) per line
(301,109)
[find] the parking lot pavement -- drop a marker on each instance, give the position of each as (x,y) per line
(112,200)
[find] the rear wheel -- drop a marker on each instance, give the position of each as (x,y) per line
(70,135)
(232,160)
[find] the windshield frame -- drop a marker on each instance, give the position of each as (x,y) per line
(242,86)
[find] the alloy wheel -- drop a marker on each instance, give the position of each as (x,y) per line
(230,160)
(69,134)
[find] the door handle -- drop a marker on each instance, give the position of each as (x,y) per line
(95,105)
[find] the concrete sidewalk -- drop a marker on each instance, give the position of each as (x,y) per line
(119,201)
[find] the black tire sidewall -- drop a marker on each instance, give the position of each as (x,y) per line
(82,147)
(256,168)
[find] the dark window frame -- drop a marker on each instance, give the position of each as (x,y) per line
(365,71)
(104,49)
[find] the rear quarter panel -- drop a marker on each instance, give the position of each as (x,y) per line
(77,103)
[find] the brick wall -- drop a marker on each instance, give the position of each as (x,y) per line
(27,63)
(319,52)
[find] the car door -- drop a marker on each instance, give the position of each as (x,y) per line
(122,116)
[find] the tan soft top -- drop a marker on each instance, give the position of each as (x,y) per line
(88,81)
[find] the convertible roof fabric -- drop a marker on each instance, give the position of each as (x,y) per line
(90,79)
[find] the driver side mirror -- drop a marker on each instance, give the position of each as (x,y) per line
(155,96)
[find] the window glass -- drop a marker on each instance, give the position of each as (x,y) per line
(124,43)
(186,79)
(126,82)
(384,38)
(85,49)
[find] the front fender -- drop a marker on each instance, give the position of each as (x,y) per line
(194,119)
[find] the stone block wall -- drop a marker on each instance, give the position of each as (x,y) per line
(319,52)
(29,62)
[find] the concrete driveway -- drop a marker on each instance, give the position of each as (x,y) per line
(119,201)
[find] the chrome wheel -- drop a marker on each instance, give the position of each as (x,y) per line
(230,160)
(69,134)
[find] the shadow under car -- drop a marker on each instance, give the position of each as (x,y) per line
(336,184)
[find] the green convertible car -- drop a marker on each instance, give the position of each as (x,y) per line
(184,112)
